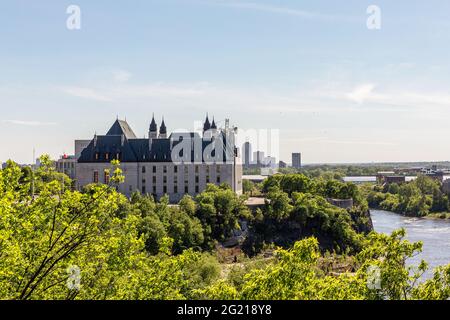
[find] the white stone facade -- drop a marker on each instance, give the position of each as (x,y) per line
(160,179)
(175,165)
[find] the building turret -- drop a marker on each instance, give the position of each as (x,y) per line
(153,132)
(206,125)
(163,130)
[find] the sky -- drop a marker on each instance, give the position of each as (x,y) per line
(333,89)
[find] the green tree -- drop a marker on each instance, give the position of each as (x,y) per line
(219,210)
(248,187)
(42,238)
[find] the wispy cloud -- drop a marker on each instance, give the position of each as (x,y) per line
(366,93)
(118,92)
(247,5)
(29,123)
(161,90)
(314,100)
(361,93)
(87,93)
(121,75)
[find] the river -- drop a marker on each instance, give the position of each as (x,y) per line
(435,235)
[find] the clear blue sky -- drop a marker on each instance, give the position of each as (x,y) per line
(337,91)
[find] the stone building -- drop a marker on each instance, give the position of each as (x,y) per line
(66,164)
(174,165)
(389,177)
(297,160)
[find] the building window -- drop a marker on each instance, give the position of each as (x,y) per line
(175,169)
(196,179)
(95,176)
(207,179)
(196,169)
(186,189)
(154,189)
(196,189)
(143,190)
(164,179)
(218,169)
(154,179)
(107,156)
(175,189)
(165,189)
(185,170)
(218,180)
(175,179)
(118,156)
(96,156)
(143,169)
(106,176)
(207,169)
(154,169)
(164,169)
(143,181)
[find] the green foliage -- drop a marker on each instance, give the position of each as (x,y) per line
(389,253)
(248,187)
(328,188)
(297,207)
(187,231)
(325,219)
(419,197)
(41,238)
(188,205)
(141,249)
(219,210)
(296,275)
(337,172)
(279,207)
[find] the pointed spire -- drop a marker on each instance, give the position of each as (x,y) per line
(153,126)
(162,128)
(206,125)
(213,124)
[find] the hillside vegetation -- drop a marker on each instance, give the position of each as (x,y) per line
(98,244)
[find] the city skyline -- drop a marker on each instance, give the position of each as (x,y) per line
(337,91)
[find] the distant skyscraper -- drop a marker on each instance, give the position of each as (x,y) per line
(258,157)
(297,160)
(247,153)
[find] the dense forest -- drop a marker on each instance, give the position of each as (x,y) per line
(56,243)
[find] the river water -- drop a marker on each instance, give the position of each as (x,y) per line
(435,235)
